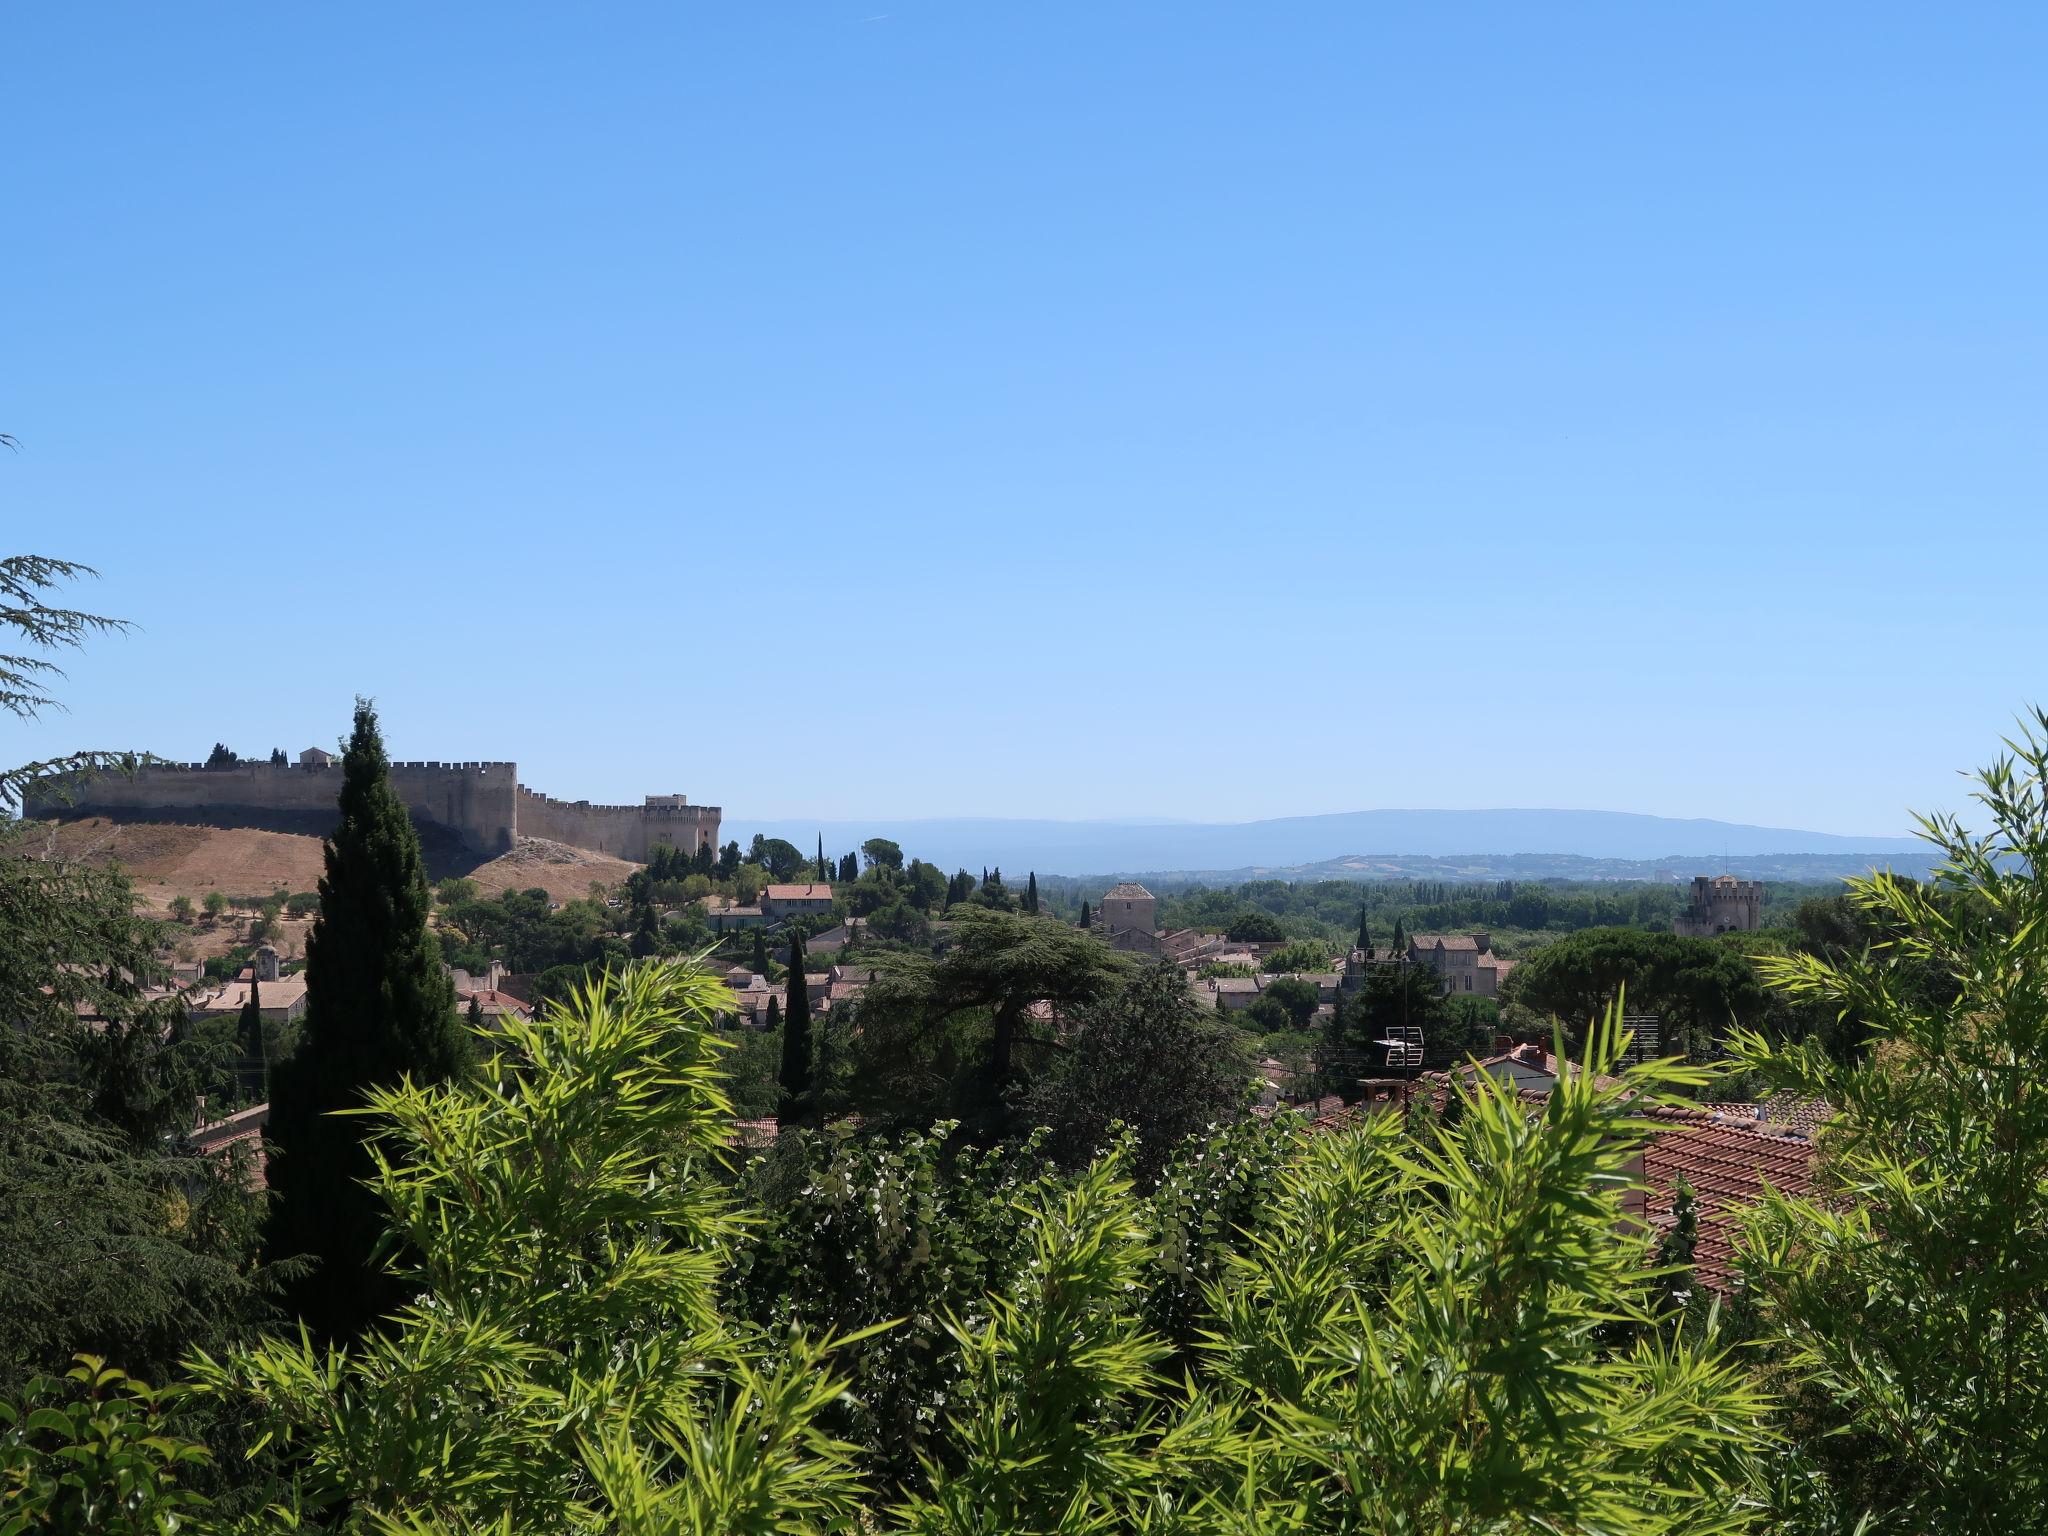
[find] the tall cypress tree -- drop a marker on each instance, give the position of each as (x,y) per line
(1364,932)
(1087,919)
(824,869)
(1031,895)
(378,1006)
(249,1039)
(794,1103)
(760,953)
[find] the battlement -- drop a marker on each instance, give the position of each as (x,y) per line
(624,831)
(1720,904)
(481,801)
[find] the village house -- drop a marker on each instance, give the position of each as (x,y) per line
(1227,994)
(279,998)
(832,940)
(1464,962)
(779,902)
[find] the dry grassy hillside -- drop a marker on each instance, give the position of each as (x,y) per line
(167,860)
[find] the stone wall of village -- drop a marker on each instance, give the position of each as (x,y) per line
(483,803)
(623,831)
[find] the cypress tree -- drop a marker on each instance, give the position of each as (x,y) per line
(1031,894)
(249,1036)
(1400,939)
(646,934)
(378,1006)
(760,953)
(796,1040)
(1364,933)
(1087,921)
(824,869)
(475,1017)
(774,1013)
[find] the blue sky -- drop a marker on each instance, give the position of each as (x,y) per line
(1053,410)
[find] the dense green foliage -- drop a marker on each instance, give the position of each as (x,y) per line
(379,1008)
(112,1240)
(1147,1057)
(1699,988)
(1907,1294)
(92,1452)
(1391,1345)
(949,1037)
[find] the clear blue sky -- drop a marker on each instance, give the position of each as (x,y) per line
(1209,411)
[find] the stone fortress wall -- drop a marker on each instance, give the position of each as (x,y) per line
(623,831)
(483,803)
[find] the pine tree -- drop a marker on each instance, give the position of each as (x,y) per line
(794,1103)
(1031,895)
(379,1007)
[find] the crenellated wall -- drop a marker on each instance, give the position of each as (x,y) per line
(482,802)
(623,831)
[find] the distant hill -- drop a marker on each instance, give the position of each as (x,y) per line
(1484,838)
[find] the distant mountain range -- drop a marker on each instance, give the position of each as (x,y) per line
(1355,844)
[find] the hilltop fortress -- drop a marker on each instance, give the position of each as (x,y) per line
(483,804)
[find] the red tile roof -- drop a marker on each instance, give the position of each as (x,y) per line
(1727,1163)
(798,893)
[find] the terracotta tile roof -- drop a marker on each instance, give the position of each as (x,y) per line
(797,893)
(1444,940)
(1129,890)
(493,1003)
(1727,1163)
(244,1128)
(286,992)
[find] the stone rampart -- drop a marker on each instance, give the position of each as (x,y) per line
(623,831)
(483,803)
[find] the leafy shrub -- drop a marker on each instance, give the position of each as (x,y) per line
(91,1452)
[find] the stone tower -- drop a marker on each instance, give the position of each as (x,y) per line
(1722,904)
(1128,907)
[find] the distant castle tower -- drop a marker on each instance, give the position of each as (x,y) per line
(1128,908)
(1722,904)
